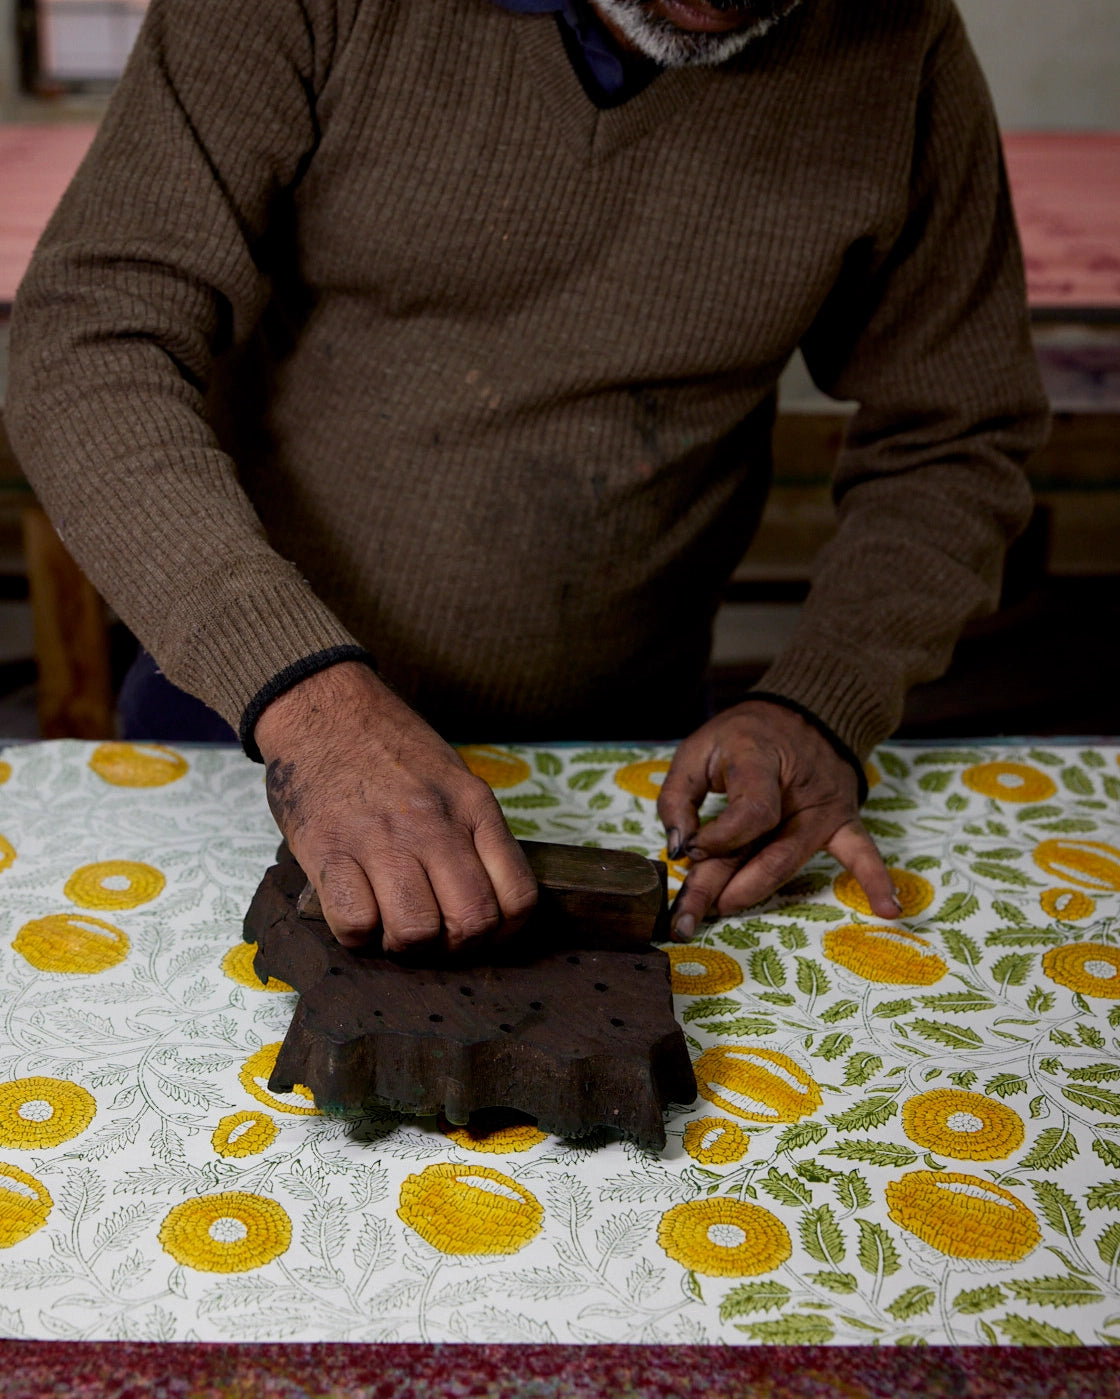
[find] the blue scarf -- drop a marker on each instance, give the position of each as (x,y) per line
(600,52)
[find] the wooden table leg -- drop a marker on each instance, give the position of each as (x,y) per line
(75,697)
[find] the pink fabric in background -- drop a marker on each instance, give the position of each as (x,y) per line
(1066,187)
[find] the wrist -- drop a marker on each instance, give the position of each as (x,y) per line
(311,703)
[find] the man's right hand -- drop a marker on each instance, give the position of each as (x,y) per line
(386,820)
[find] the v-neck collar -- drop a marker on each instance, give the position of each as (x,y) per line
(597,133)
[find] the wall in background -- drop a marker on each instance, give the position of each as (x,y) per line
(1051,63)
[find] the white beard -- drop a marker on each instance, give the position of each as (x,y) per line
(671,47)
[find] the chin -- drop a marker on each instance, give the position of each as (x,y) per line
(647,27)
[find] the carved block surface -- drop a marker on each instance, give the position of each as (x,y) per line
(576,1037)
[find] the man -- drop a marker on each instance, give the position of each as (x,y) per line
(404,367)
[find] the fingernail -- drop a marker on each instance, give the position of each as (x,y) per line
(673,847)
(694,852)
(894,900)
(684,929)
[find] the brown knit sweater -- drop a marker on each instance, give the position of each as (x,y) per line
(360,323)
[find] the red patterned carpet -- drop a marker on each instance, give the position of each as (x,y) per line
(127,1370)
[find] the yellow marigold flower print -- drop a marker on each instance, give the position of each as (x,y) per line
(7,852)
(965,1126)
(702,971)
(501,1141)
(890,956)
(24,1205)
(1090,864)
(71,942)
(714,1141)
(963,1216)
(495,766)
(873,775)
(637,778)
(1093,968)
(1067,905)
(254,1076)
(1009,782)
(914,892)
(238,966)
(5,772)
(724,1238)
(114,884)
(758,1085)
(467,1209)
(244,1133)
(42,1112)
(233,1232)
(137,764)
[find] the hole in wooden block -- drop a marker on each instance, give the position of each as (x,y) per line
(615,1021)
(536,1005)
(508,1029)
(466,990)
(600,986)
(435,1018)
(336,971)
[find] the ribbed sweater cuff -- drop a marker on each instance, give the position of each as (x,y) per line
(234,641)
(288,678)
(835,693)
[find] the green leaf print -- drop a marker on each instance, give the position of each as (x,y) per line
(1096,1099)
(1105,1196)
(787,1190)
(1011,913)
(1091,759)
(839,1010)
(1108,1244)
(978,1299)
(865,1115)
(802,1134)
(1004,874)
(1041,756)
(852,1191)
(958,1002)
(961,947)
(1040,1001)
(952,1036)
(836,1282)
(522,826)
(833,1046)
(1027,1331)
(799,1329)
(766,967)
(585,780)
(743,935)
(821,1237)
(877,1253)
(935,781)
(1006,1085)
(892,764)
(709,1005)
(941,757)
(1013,969)
(1075,780)
(753,1297)
(1095,1073)
(956,908)
(1108,1151)
(1069,826)
(955,802)
(549,765)
(528,800)
(741,1025)
(890,804)
(1111,787)
(913,1302)
(889,1009)
(1053,1148)
(1038,813)
(923,862)
(1058,1207)
(885,830)
(793,938)
(599,802)
(607,755)
(873,1153)
(963,1078)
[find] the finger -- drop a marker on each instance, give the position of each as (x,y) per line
(409,909)
(857,852)
(684,789)
(467,903)
(508,870)
(348,902)
(775,863)
(696,896)
(754,809)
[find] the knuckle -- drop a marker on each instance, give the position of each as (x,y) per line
(471,920)
(520,899)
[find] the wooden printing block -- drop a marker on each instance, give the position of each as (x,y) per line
(573,1034)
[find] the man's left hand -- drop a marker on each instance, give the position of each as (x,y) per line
(789,794)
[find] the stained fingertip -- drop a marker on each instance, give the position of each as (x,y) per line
(684,929)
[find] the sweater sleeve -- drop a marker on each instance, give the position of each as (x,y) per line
(930,336)
(151,268)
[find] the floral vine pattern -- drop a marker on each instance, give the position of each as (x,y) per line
(904,1135)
